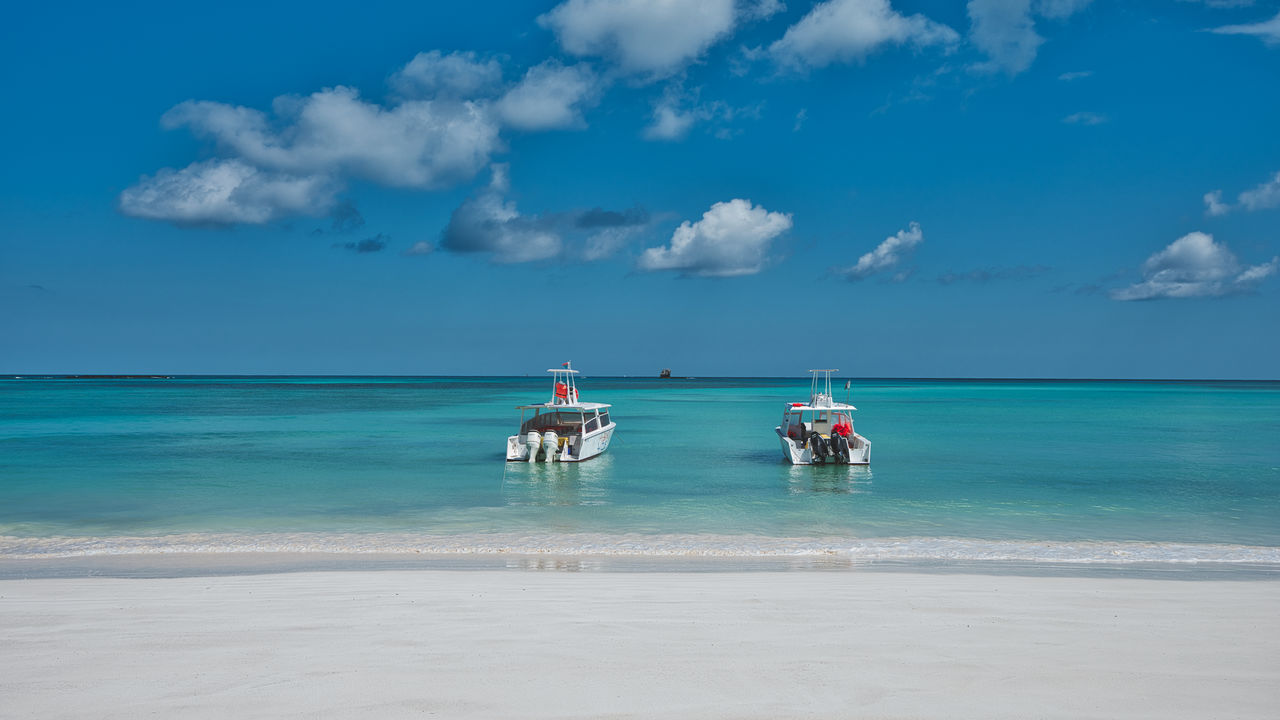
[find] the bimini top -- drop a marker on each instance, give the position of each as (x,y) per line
(565,406)
(820,397)
(828,406)
(564,392)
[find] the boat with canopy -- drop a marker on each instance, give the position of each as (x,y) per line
(563,429)
(821,430)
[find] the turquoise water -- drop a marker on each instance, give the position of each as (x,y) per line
(1083,471)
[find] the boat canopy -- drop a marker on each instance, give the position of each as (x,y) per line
(797,407)
(562,407)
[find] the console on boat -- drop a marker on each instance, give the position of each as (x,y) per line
(562,429)
(821,430)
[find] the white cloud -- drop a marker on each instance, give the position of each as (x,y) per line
(488,223)
(1268,30)
(422,247)
(670,122)
(1076,75)
(1266,195)
(421,144)
(550,96)
(650,38)
(1213,204)
(676,113)
(731,239)
(887,254)
(223,192)
(1263,197)
(1194,266)
(608,241)
(1085,118)
(849,30)
(456,75)
(761,9)
(1004,30)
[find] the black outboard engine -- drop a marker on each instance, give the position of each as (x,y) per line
(818,448)
(840,448)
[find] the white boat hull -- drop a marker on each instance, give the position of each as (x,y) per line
(859,450)
(575,449)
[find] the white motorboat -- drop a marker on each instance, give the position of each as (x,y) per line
(821,430)
(563,429)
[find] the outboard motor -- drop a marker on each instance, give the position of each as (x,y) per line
(533,441)
(840,448)
(818,448)
(550,444)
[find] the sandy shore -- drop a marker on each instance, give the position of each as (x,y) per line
(490,644)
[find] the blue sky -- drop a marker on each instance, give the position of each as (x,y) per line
(1058,188)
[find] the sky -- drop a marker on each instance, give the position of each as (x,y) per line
(997,188)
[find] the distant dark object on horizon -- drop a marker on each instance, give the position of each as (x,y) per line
(665,373)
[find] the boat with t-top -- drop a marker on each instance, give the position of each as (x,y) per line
(563,429)
(821,430)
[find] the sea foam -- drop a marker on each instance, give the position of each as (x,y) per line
(868,550)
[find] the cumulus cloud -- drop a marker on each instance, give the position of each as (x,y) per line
(455,75)
(550,96)
(731,239)
(1213,204)
(1268,30)
(489,223)
(887,254)
(1195,266)
(1005,31)
(296,159)
(649,38)
(223,192)
(419,144)
(1263,197)
(849,30)
(670,122)
(1085,118)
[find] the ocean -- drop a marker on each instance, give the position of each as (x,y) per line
(1051,472)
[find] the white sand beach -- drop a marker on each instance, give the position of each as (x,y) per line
(491,644)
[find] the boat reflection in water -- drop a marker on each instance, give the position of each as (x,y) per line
(551,484)
(832,479)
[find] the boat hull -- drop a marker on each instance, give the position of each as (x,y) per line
(796,454)
(592,444)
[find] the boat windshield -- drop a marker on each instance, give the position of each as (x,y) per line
(561,422)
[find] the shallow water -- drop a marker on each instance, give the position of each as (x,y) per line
(1170,471)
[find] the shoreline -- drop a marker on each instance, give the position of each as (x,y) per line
(684,644)
(222,564)
(483,550)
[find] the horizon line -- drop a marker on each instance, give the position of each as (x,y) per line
(175,376)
